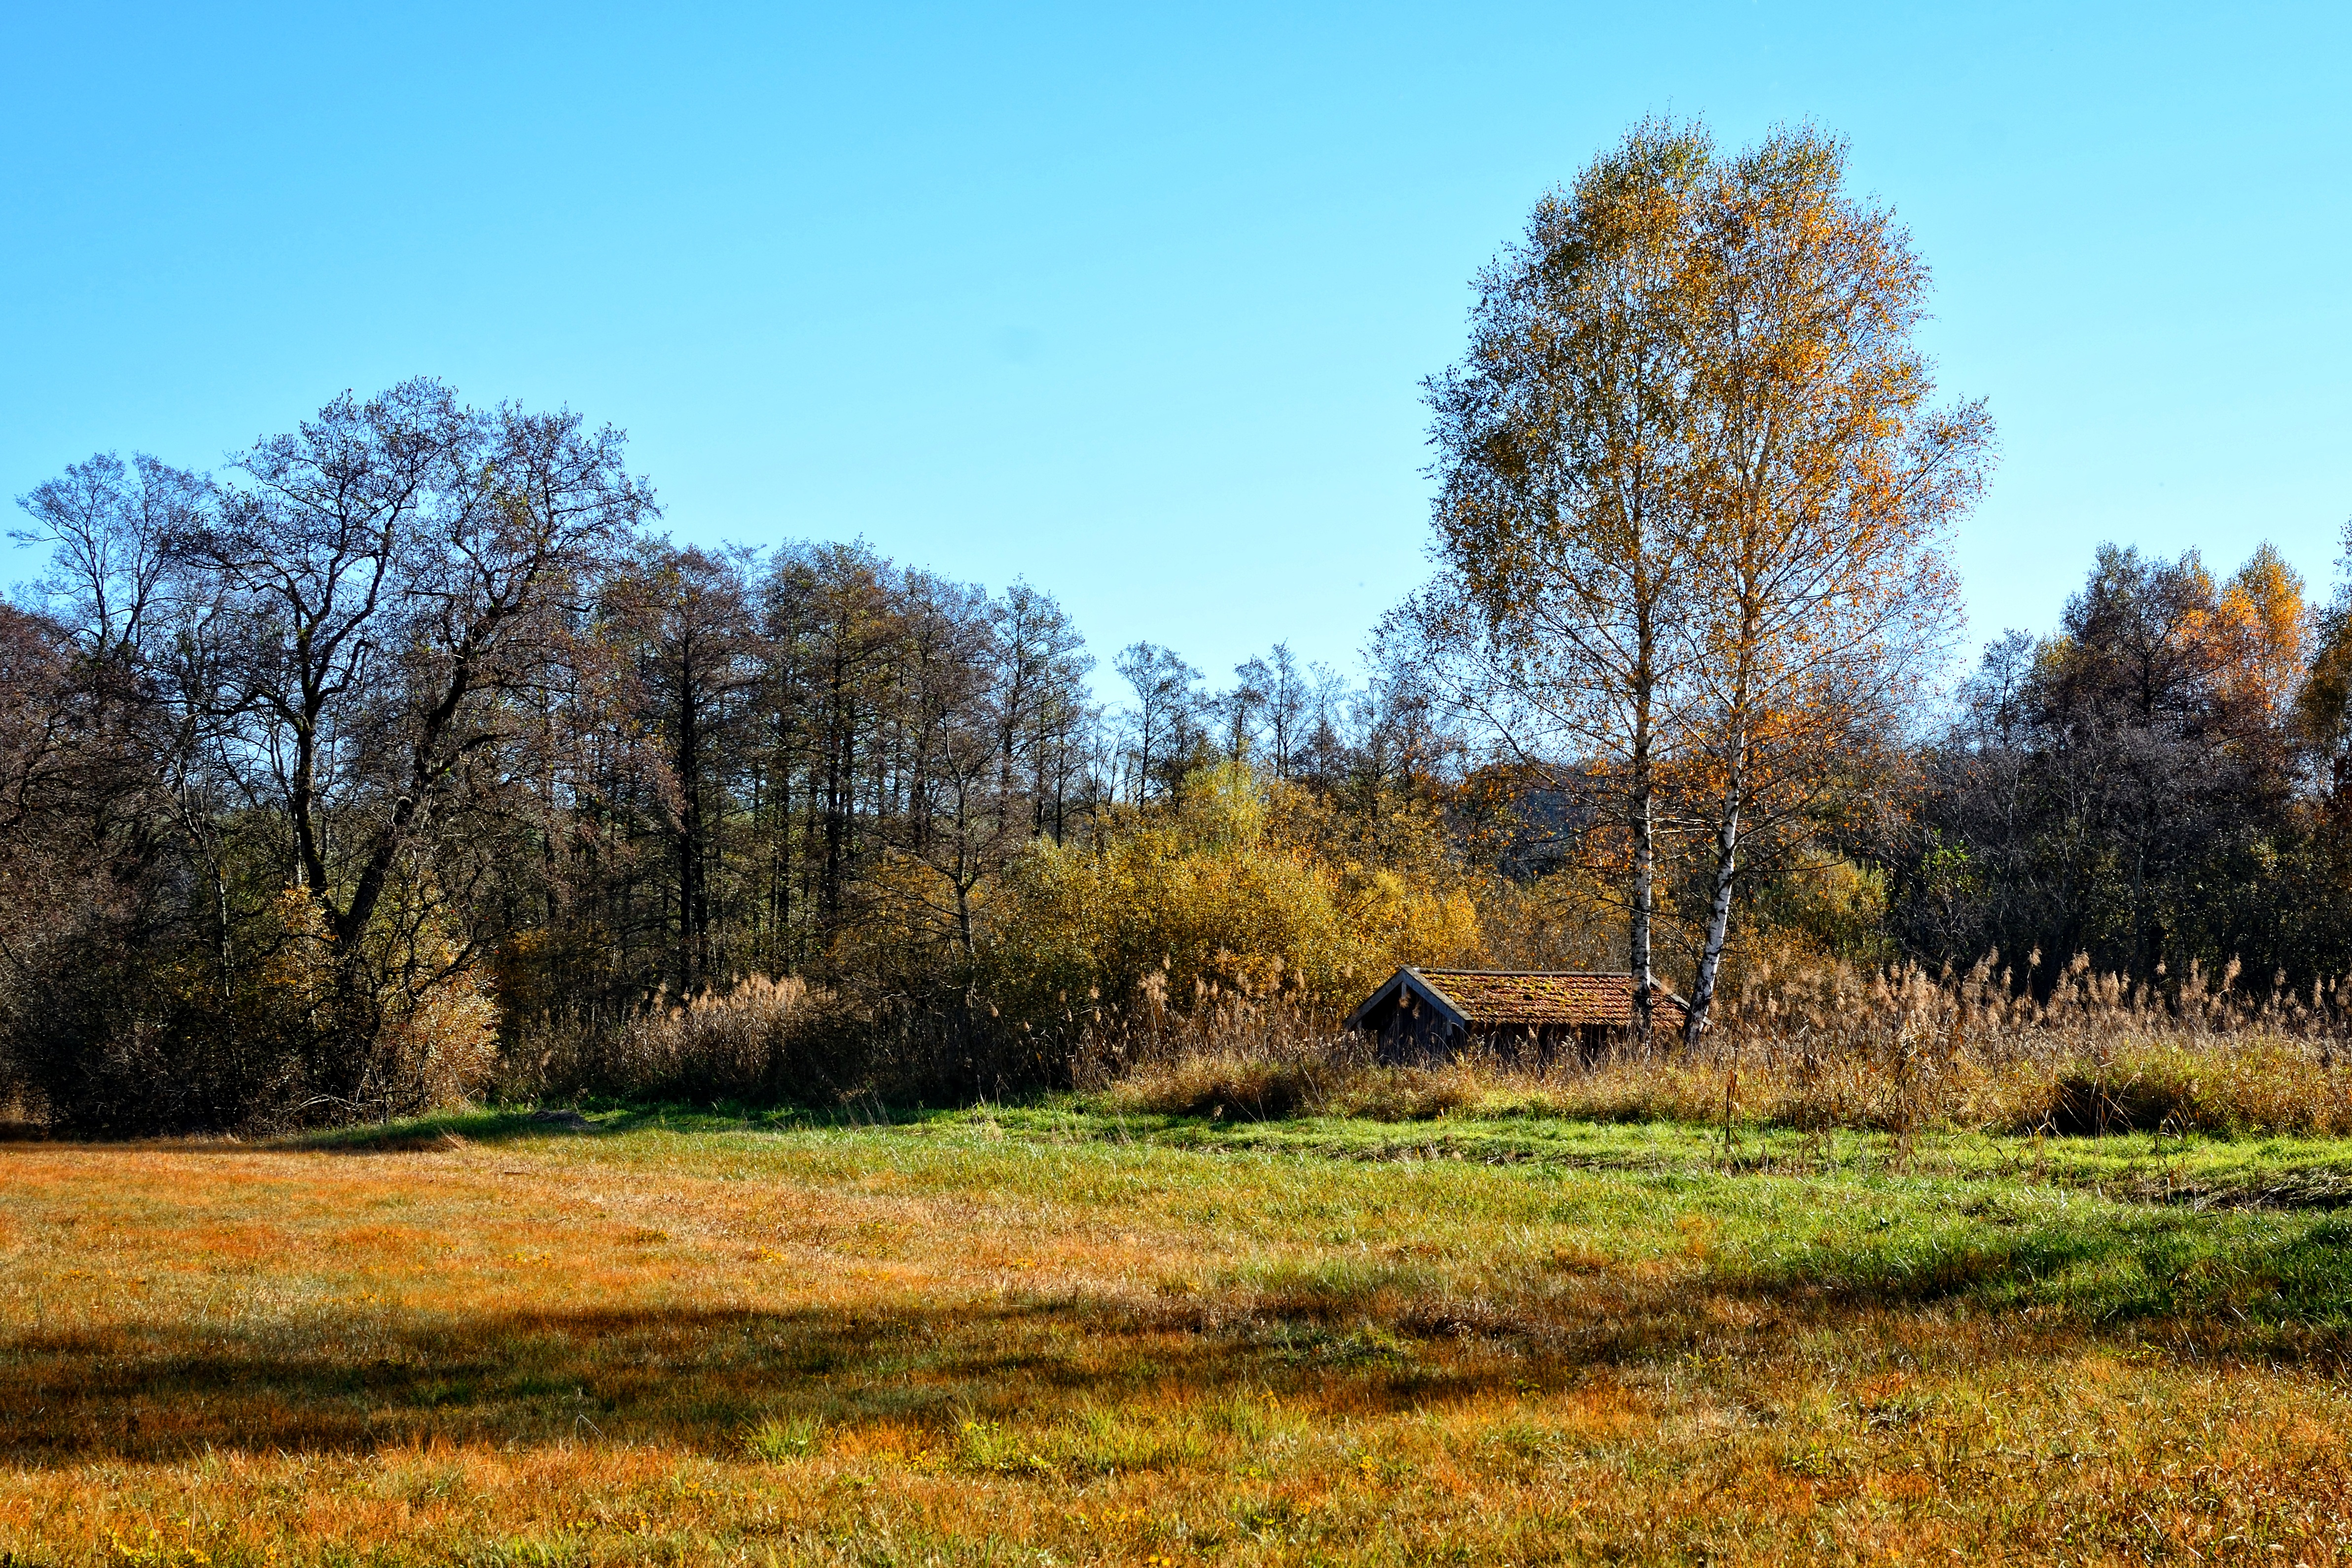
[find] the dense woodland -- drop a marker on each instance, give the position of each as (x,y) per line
(405,754)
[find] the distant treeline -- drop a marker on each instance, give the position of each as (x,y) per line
(404,760)
(328,779)
(2161,782)
(322,775)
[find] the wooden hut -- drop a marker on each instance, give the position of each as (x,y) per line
(1430,1015)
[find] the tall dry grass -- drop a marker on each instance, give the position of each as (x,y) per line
(1827,1048)
(761,1039)
(1235,1052)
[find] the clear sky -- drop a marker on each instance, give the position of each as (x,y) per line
(1133,302)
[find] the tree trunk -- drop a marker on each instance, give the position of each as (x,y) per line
(1718,910)
(1644,813)
(692,914)
(1645,894)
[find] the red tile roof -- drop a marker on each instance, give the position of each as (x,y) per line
(1487,996)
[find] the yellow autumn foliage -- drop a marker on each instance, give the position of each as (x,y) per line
(1200,898)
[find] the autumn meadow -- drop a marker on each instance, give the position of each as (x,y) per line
(522,1041)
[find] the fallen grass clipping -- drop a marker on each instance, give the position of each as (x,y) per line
(1073,1334)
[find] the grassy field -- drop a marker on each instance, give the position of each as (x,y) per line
(1063,1335)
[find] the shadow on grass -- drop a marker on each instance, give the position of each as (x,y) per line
(1344,1335)
(440,1132)
(700,1379)
(440,1129)
(408,1134)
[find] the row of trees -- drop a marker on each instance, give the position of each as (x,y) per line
(306,757)
(328,773)
(2161,782)
(327,780)
(273,750)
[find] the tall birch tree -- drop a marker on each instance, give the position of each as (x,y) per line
(1564,522)
(1827,483)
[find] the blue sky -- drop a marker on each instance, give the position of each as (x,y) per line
(1135,302)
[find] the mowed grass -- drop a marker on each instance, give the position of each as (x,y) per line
(1059,1335)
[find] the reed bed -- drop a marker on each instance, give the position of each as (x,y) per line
(760,1040)
(1829,1048)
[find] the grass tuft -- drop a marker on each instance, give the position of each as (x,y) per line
(778,1440)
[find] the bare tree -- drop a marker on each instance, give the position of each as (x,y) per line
(1238,708)
(1166,699)
(371,589)
(1278,676)
(692,635)
(1044,712)
(107,527)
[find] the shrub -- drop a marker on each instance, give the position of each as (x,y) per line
(1199,900)
(134,1034)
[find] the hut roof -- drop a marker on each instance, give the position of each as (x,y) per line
(1490,998)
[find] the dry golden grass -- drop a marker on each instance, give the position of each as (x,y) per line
(759,1039)
(949,1343)
(1826,1049)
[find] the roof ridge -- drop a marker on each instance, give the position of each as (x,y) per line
(1544,973)
(1513,997)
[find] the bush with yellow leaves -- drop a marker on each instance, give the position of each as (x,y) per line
(1177,906)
